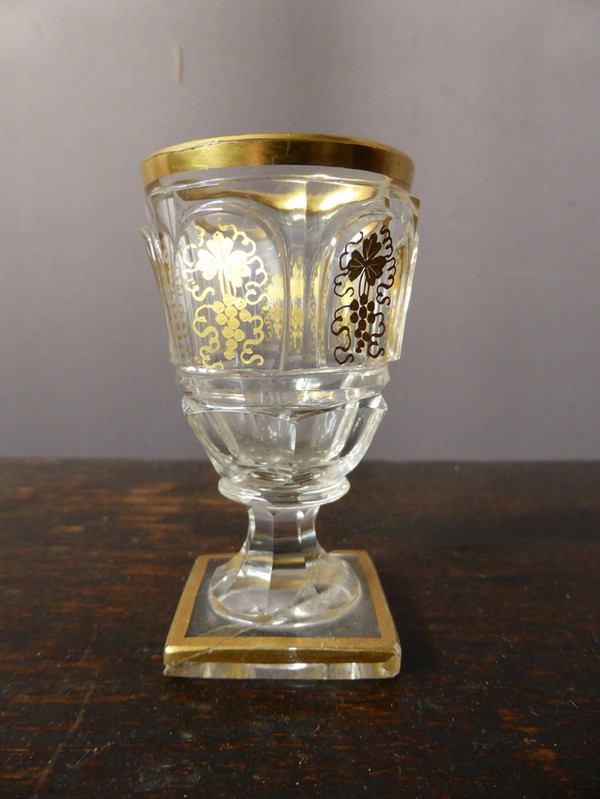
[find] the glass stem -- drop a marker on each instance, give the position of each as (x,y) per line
(281,543)
(282,575)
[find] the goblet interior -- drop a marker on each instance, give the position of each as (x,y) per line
(285,290)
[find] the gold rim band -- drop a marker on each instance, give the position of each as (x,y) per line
(280,149)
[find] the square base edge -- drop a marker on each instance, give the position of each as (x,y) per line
(362,644)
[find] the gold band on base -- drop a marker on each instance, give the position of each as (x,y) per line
(297,149)
(362,644)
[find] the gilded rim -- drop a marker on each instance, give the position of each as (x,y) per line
(280,149)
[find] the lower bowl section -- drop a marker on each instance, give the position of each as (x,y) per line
(288,439)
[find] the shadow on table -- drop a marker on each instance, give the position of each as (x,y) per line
(418,648)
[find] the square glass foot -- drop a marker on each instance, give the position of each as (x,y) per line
(361,644)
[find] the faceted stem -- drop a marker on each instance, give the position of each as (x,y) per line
(282,576)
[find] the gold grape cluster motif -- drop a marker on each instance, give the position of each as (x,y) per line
(228,319)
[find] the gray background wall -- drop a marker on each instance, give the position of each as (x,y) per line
(498,103)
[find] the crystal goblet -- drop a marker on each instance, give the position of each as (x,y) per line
(284,264)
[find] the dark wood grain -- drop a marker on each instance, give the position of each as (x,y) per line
(491,572)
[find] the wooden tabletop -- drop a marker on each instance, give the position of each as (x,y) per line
(491,573)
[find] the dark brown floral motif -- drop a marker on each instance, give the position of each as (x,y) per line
(367,266)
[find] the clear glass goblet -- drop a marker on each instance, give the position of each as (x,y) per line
(284,264)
